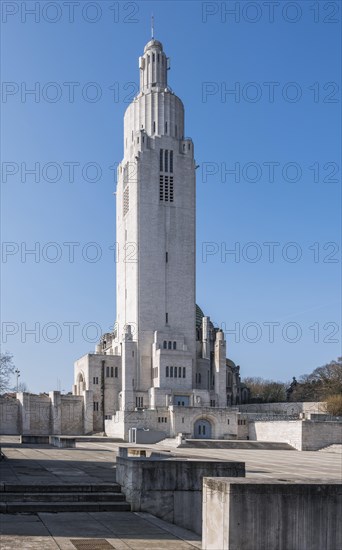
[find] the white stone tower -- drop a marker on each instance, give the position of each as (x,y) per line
(155,225)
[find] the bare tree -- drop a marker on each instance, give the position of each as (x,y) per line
(6,371)
(266,391)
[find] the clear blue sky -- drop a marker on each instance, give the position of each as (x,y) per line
(297,129)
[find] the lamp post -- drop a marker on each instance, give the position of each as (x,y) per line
(17,372)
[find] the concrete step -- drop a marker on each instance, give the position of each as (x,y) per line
(35,507)
(335,448)
(61,488)
(62,497)
(68,497)
(235,444)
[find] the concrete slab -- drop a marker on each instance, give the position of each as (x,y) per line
(97,462)
(124,530)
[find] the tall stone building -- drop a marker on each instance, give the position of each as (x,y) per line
(164,366)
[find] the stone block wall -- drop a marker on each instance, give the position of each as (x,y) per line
(170,489)
(264,514)
(303,435)
(10,420)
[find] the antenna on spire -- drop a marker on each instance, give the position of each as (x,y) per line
(152,26)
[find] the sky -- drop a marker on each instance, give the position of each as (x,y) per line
(261,87)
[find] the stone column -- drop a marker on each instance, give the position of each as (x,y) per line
(88,411)
(56,412)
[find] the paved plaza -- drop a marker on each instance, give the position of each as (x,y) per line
(94,462)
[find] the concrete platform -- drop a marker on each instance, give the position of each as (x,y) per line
(121,530)
(95,462)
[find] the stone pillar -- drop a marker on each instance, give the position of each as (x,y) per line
(205,338)
(24,400)
(128,370)
(220,369)
(56,412)
(88,411)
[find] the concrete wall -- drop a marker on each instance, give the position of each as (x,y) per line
(170,489)
(72,417)
(288,431)
(32,414)
(10,420)
(284,408)
(254,514)
(316,435)
(304,435)
(36,414)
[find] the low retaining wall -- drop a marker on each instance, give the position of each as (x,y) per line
(258,515)
(34,439)
(304,435)
(63,442)
(169,488)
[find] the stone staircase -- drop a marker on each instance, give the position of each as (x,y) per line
(62,498)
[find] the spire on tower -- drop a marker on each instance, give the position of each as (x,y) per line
(152,26)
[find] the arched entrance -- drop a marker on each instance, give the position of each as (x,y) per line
(202,429)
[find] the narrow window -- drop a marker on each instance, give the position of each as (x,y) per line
(166,257)
(165,344)
(170,344)
(111,372)
(126,201)
(154,127)
(167,372)
(165,419)
(161,188)
(203,430)
(166,188)
(199,429)
(153,57)
(179,372)
(171,161)
(158,57)
(184,372)
(116,372)
(171,188)
(228,421)
(182,419)
(158,418)
(174,345)
(165,127)
(175,372)
(176,130)
(107,372)
(199,377)
(166,167)
(161,160)
(171,372)
(166,318)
